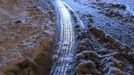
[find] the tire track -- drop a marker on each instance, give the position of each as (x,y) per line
(65,53)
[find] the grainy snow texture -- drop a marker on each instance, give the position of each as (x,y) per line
(114,18)
(92,37)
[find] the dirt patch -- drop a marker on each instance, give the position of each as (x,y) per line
(26,37)
(99,53)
